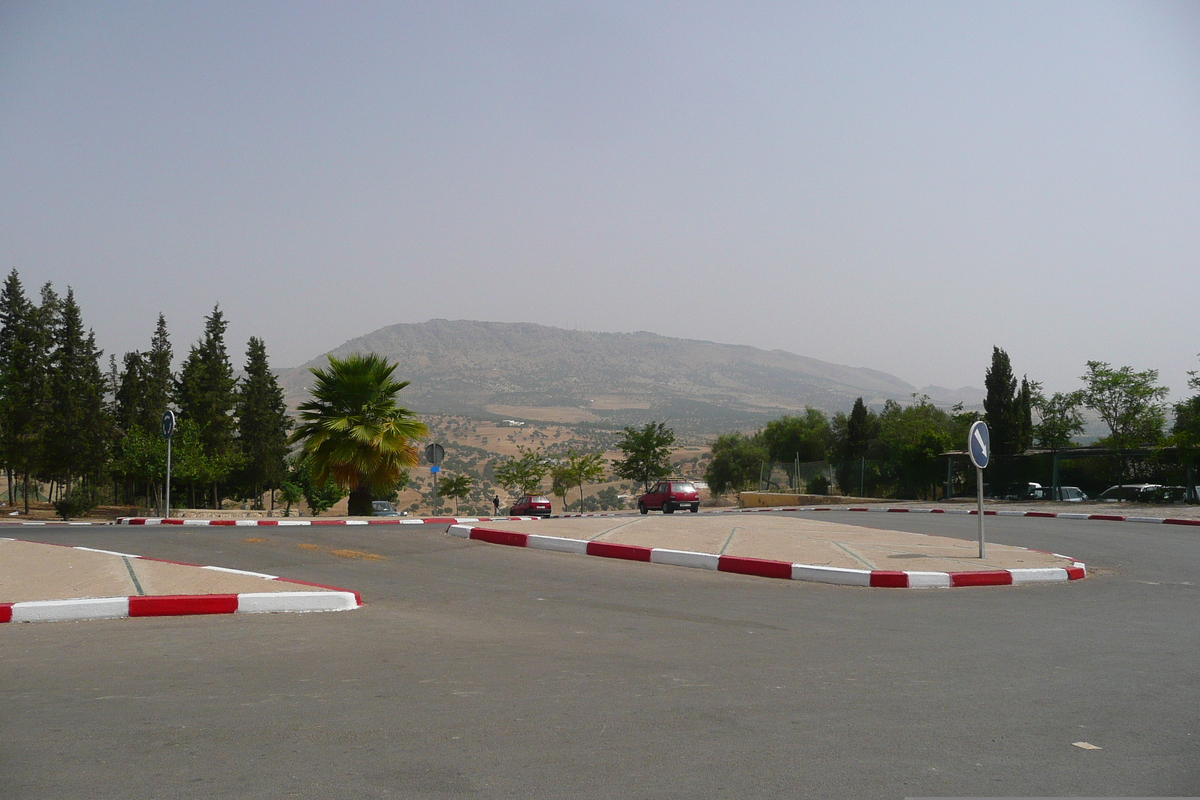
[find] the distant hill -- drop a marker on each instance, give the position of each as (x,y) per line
(497,370)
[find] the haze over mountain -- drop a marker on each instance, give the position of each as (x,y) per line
(526,371)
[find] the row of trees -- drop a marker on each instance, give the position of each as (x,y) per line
(895,452)
(1130,403)
(646,457)
(65,421)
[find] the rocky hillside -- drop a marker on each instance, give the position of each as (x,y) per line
(494,370)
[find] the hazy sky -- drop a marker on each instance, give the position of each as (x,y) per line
(889,185)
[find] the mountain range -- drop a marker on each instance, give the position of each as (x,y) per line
(522,371)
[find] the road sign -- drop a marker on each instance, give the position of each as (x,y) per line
(979,444)
(168,423)
(435,469)
(434,454)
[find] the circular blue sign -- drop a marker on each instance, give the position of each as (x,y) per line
(168,423)
(979,444)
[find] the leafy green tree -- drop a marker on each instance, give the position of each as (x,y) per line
(523,474)
(392,494)
(457,487)
(289,494)
(910,440)
(205,394)
(1060,420)
(320,494)
(576,470)
(262,425)
(353,431)
(1185,433)
(851,440)
(736,462)
(805,438)
(1130,403)
(562,481)
(647,452)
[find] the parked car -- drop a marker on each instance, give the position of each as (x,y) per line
(531,505)
(1132,493)
(670,495)
(382,508)
(1069,494)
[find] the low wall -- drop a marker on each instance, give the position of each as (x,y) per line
(768,499)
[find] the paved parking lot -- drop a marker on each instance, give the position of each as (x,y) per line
(477,670)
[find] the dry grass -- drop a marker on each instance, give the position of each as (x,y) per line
(357,554)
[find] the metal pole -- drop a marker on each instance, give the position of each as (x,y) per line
(167,490)
(979,486)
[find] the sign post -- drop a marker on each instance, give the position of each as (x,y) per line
(434,453)
(979,445)
(168,428)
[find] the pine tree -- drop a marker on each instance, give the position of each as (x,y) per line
(157,375)
(263,424)
(129,397)
(77,428)
(23,373)
(204,392)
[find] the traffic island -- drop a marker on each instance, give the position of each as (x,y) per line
(47,582)
(788,548)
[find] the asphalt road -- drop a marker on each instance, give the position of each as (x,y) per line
(485,671)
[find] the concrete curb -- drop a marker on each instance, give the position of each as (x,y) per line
(289,522)
(332,599)
(48,522)
(766,568)
(967,511)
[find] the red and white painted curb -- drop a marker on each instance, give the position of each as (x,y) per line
(968,511)
(767,568)
(286,521)
(289,522)
(334,599)
(48,522)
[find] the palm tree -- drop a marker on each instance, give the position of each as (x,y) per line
(353,431)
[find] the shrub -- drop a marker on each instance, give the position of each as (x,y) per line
(77,502)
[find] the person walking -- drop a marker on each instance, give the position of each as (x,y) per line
(496,505)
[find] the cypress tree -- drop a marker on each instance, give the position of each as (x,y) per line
(1025,413)
(859,429)
(263,424)
(1001,406)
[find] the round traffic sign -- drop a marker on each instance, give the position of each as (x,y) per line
(434,453)
(168,423)
(979,444)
